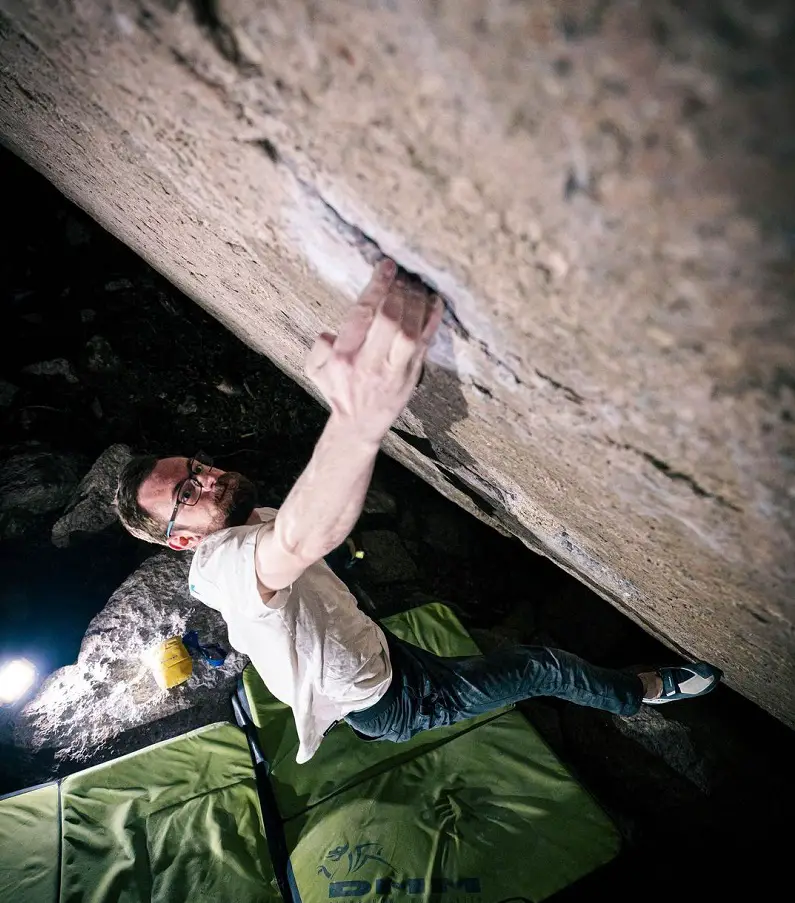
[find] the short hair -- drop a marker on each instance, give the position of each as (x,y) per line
(136,519)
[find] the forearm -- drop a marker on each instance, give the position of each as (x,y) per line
(326,500)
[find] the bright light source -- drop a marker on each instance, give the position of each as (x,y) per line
(16,678)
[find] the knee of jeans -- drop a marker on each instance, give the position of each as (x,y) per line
(457,700)
(436,710)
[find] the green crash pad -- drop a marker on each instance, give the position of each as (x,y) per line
(176,821)
(481,810)
(30,840)
(343,759)
(477,813)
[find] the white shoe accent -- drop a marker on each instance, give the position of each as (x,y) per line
(693,686)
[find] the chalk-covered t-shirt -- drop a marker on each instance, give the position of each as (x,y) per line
(310,644)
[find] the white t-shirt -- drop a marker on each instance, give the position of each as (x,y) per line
(310,644)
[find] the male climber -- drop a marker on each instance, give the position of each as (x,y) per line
(263,569)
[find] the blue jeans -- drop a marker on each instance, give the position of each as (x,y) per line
(430,691)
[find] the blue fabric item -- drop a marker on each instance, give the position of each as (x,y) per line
(213,654)
(429,691)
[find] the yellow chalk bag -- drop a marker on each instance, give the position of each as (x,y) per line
(170,662)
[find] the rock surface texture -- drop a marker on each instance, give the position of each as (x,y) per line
(602,193)
(81,710)
(91,508)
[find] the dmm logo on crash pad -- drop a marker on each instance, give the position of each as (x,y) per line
(387,886)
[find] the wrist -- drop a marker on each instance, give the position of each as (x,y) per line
(346,431)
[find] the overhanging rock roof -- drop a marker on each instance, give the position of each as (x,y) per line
(599,191)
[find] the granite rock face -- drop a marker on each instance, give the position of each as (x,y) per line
(80,710)
(33,483)
(602,193)
(91,507)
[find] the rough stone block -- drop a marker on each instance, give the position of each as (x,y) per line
(386,559)
(600,192)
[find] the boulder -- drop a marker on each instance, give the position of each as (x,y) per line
(100,356)
(90,508)
(378,501)
(7,393)
(386,559)
(601,193)
(80,711)
(668,740)
(33,483)
(444,530)
(57,367)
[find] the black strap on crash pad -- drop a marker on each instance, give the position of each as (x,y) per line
(271,818)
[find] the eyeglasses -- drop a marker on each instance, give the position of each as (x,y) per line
(190,489)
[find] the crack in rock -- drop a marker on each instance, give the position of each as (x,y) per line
(676,475)
(209,18)
(567,390)
(372,252)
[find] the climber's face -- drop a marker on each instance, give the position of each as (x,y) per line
(195,499)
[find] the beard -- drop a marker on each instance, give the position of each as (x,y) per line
(236,497)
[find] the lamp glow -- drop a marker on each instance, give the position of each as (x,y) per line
(16,678)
